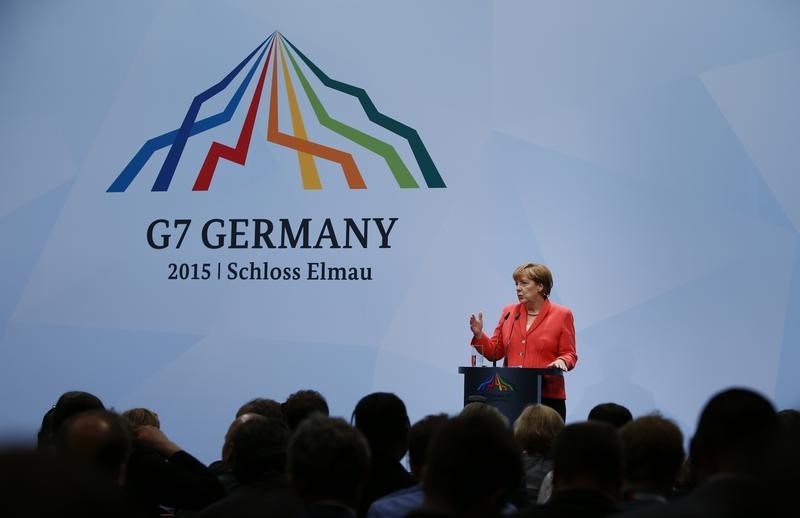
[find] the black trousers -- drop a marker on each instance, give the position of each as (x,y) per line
(559,405)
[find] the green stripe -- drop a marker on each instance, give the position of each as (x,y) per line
(401,173)
(426,165)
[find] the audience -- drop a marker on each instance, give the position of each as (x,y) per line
(291,460)
(328,465)
(383,420)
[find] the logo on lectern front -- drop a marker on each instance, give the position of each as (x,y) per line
(495,383)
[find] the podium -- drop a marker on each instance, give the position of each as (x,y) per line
(509,389)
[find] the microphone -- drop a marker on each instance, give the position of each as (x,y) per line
(508,342)
(505,317)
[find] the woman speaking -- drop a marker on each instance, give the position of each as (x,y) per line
(533,333)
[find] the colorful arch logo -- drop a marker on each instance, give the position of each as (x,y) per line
(277,48)
(495,383)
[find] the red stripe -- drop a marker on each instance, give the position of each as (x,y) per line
(239,153)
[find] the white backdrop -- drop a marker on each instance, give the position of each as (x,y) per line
(646,151)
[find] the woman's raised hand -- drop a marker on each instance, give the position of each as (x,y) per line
(476,325)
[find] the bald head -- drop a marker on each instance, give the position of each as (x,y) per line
(101,437)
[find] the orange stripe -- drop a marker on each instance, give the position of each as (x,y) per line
(308,169)
(351,173)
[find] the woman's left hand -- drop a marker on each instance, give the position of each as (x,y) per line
(558,364)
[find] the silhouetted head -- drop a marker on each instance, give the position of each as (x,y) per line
(419,438)
(653,448)
(227,445)
(73,403)
(383,420)
(44,439)
(473,467)
(588,456)
(258,448)
(101,437)
(611,413)
(733,433)
(479,408)
(261,406)
(301,405)
(789,422)
(328,461)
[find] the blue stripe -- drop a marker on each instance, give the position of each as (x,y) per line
(167,171)
(154,144)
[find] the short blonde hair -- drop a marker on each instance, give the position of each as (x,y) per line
(538,273)
(536,428)
(141,417)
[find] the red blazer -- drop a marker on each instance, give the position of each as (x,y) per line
(551,336)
